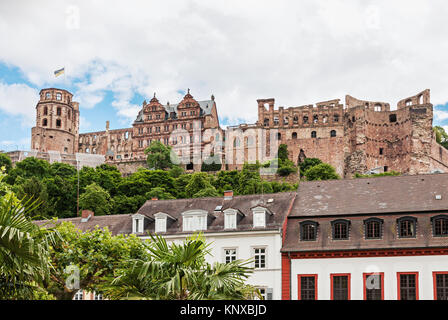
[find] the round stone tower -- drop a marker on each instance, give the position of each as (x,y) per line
(57,122)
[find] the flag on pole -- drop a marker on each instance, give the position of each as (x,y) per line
(59,72)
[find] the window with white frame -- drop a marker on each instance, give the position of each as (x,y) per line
(97,296)
(79,295)
(259,217)
(230,220)
(259,257)
(194,221)
(266,293)
(229,255)
(161,220)
(137,224)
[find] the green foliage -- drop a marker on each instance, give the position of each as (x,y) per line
(441,136)
(158,156)
(207,192)
(322,171)
(282,152)
(199,182)
(180,272)
(383,174)
(24,247)
(32,189)
(5,161)
(96,253)
(159,193)
(96,199)
(176,171)
(308,163)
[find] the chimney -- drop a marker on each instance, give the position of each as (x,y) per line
(154,198)
(228,195)
(86,215)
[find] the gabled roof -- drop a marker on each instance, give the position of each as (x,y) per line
(206,107)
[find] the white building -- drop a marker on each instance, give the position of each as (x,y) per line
(238,227)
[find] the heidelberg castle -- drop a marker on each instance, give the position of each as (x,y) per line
(358,137)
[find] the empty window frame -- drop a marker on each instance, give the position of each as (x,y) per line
(307,286)
(440,285)
(308,230)
(407,227)
(336,118)
(373,286)
(259,258)
(313,134)
(58,123)
(340,286)
(407,285)
(373,228)
(294,135)
(58,96)
(439,226)
(393,118)
(333,133)
(340,229)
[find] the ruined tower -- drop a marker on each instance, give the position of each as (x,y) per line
(57,122)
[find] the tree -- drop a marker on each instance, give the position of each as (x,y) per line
(282,152)
(96,199)
(180,272)
(207,192)
(211,164)
(199,181)
(24,247)
(308,163)
(32,189)
(441,136)
(158,156)
(322,171)
(159,193)
(27,168)
(96,254)
(5,161)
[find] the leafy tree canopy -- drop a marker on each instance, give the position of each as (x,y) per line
(322,171)
(96,199)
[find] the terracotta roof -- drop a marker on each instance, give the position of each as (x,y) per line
(372,195)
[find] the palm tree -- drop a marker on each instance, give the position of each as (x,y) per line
(180,272)
(24,255)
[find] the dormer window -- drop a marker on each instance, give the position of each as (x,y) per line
(373,228)
(162,222)
(259,216)
(440,226)
(407,227)
(230,220)
(195,220)
(340,229)
(138,223)
(308,231)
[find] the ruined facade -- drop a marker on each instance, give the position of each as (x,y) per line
(360,137)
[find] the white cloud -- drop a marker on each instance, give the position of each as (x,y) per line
(19,100)
(440,115)
(297,52)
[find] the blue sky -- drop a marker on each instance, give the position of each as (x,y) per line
(298,52)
